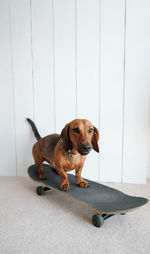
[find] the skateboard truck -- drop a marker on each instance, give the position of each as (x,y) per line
(40,190)
(98,219)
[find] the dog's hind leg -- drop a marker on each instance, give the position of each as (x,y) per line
(40,170)
(39,162)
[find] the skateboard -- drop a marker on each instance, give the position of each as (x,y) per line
(105,201)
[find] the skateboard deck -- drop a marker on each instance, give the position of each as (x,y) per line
(106,201)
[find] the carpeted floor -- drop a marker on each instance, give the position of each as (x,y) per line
(32,224)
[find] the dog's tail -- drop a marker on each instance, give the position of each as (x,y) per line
(35,131)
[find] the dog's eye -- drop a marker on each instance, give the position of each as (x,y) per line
(76,130)
(90,130)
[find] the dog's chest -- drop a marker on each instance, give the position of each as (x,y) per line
(72,162)
(74,158)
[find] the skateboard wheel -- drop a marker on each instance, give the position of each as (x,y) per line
(98,220)
(40,190)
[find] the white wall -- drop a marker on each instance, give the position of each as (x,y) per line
(62,59)
(148,167)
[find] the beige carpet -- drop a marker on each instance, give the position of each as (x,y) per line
(32,224)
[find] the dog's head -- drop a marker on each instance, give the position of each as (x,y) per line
(81,135)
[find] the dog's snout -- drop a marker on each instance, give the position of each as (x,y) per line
(86,146)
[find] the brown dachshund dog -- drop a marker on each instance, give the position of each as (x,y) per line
(67,151)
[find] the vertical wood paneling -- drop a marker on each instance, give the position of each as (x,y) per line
(88,72)
(7,140)
(42,44)
(22,74)
(137,90)
(111,89)
(65,58)
(64,53)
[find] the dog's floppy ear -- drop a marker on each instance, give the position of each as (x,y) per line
(65,137)
(95,139)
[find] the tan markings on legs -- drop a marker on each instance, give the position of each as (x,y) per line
(81,182)
(64,179)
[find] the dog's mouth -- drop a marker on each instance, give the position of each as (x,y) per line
(83,152)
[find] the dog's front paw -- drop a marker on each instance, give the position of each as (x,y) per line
(42,176)
(64,187)
(83,184)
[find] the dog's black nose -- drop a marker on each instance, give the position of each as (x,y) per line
(86,146)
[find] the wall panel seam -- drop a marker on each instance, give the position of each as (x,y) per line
(124,81)
(13,95)
(99,164)
(32,59)
(76,55)
(54,92)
